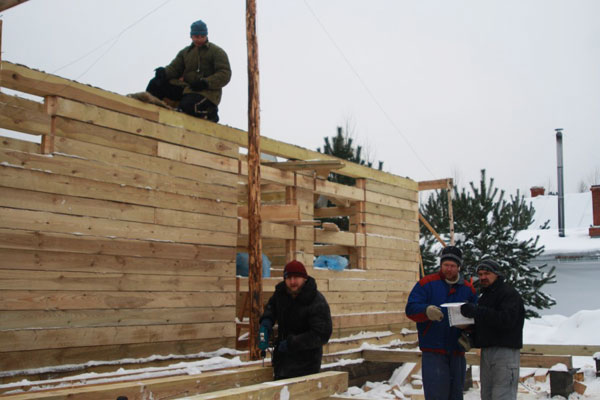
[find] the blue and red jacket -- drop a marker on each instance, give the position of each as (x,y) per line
(434,336)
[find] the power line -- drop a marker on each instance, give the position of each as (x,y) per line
(114,40)
(368,90)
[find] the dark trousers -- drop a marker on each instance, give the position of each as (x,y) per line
(193,104)
(443,376)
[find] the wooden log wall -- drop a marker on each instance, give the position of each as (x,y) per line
(117,243)
(118,232)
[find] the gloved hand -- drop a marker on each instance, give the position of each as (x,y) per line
(283,346)
(200,85)
(465,341)
(264,332)
(468,310)
(160,73)
(434,313)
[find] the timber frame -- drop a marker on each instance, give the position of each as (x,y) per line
(119,231)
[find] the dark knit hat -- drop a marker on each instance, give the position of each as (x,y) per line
(199,28)
(294,268)
(451,253)
(489,265)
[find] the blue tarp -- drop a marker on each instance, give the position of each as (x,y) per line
(337,263)
(241,265)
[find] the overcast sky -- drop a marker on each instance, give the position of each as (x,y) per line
(434,89)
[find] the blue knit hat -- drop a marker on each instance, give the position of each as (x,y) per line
(199,28)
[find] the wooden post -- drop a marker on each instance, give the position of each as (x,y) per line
(450,214)
(254,223)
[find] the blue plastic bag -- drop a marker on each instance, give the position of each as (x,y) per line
(241,265)
(337,263)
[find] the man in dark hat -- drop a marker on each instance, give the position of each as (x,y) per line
(499,317)
(443,358)
(304,323)
(195,77)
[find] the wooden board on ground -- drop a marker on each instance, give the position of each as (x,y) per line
(157,388)
(310,387)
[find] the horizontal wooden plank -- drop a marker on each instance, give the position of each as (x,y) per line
(339,238)
(380,209)
(18,178)
(392,232)
(57,203)
(309,387)
(23,79)
(399,275)
(436,184)
(192,174)
(60,338)
(274,213)
(412,267)
(142,126)
(82,300)
(58,319)
(21,115)
(332,250)
(392,190)
(110,172)
(388,242)
(392,254)
(329,212)
(391,222)
(364,297)
(268,230)
(158,388)
(338,191)
(103,355)
(561,349)
(196,157)
(78,262)
(367,319)
(527,360)
(390,201)
(355,308)
(107,137)
(345,285)
(20,145)
(64,281)
(92,226)
(24,239)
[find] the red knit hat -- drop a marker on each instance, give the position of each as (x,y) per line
(294,268)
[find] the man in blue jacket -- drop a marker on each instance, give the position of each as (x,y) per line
(443,358)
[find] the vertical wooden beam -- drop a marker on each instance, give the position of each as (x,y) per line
(47,146)
(450,213)
(358,225)
(290,244)
(254,222)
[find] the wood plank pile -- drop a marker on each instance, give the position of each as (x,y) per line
(119,230)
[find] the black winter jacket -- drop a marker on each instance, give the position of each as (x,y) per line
(499,317)
(305,322)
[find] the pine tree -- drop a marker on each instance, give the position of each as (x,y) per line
(486,225)
(341,146)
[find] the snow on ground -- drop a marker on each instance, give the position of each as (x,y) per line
(578,218)
(581,328)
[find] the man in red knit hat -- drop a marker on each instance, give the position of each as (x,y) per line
(304,322)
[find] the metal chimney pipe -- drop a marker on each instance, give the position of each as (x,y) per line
(561,185)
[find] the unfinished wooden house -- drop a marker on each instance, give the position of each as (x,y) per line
(119,231)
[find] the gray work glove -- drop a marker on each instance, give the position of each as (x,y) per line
(434,313)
